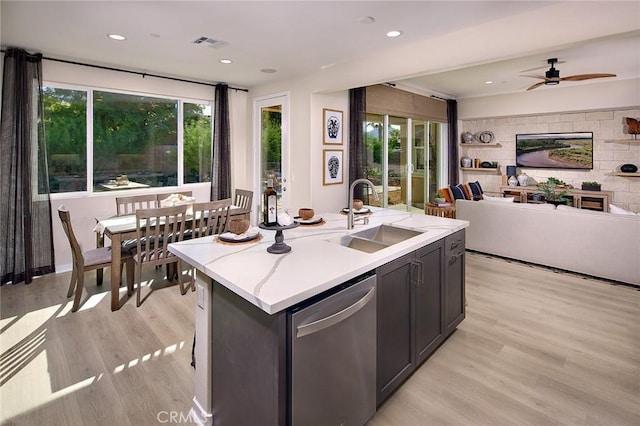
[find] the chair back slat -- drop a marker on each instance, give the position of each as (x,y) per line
(210,217)
(129,205)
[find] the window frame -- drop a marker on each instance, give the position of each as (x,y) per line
(89,91)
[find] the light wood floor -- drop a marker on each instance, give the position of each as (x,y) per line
(536,348)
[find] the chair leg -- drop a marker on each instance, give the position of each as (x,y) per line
(79,289)
(99,275)
(178,267)
(130,276)
(139,279)
(73,282)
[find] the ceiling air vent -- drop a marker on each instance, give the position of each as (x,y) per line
(208,41)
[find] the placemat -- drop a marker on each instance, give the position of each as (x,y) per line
(255,240)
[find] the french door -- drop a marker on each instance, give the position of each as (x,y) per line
(271,146)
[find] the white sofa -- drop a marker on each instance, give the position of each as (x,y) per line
(600,244)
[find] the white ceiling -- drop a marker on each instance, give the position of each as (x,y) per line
(298,38)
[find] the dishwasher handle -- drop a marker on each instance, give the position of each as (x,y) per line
(326,322)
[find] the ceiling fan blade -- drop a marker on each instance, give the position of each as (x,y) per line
(580,77)
(541,67)
(541,77)
(536,85)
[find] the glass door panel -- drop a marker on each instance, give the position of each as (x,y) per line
(398,156)
(374,141)
(419,148)
(271,127)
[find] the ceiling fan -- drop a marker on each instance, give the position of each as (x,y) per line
(552,76)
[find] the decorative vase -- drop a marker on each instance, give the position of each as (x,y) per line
(523,179)
(467,137)
(628,168)
(466,162)
(513,181)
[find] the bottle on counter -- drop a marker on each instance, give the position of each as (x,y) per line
(270,203)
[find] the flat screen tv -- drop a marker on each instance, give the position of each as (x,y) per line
(555,150)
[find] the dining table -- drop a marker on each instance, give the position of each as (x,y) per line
(121,228)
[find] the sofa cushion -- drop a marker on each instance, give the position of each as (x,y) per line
(498,199)
(476,189)
(619,210)
(459,192)
(448,195)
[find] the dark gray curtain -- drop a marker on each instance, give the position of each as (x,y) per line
(452,119)
(357,149)
(221,161)
(26,240)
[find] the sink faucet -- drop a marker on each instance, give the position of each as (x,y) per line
(350,205)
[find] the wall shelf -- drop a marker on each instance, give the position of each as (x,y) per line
(482,145)
(623,141)
(480,169)
(636,174)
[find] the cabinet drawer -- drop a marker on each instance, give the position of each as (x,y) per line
(454,244)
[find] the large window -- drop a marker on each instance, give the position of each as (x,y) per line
(117,141)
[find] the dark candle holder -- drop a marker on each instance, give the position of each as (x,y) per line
(279,247)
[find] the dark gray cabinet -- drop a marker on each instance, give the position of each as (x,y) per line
(454,297)
(410,316)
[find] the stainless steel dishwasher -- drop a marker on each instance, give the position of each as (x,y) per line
(333,357)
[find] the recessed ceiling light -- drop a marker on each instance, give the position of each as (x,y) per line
(367,20)
(268,70)
(488,82)
(117,37)
(226,61)
(394,33)
(154,35)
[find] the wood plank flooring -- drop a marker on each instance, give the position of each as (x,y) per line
(537,348)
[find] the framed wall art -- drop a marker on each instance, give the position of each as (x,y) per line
(332,166)
(332,126)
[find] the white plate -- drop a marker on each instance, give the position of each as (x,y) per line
(248,235)
(313,221)
(363,210)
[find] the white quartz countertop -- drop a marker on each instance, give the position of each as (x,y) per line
(316,263)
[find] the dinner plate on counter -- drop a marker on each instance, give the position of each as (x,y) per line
(363,210)
(313,221)
(250,235)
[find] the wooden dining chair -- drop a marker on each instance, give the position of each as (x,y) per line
(243,199)
(155,229)
(210,218)
(83,261)
(129,205)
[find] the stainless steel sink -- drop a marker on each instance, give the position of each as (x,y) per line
(387,234)
(367,246)
(373,239)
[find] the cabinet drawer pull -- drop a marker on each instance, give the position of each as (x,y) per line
(454,258)
(416,268)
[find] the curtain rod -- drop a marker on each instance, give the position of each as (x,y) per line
(143,74)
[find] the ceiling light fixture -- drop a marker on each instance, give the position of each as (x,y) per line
(226,61)
(367,20)
(488,82)
(394,33)
(268,70)
(117,37)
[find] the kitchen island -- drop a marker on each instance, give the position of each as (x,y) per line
(244,294)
